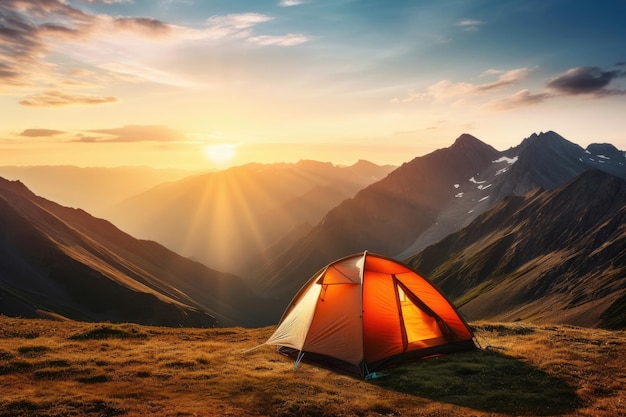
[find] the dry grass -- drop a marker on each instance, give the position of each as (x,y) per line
(50,368)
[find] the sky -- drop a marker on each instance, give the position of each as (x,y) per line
(207,84)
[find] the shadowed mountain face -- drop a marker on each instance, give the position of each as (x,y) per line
(550,256)
(63,262)
(427,199)
(225,218)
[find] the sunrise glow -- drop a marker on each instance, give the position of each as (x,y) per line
(222,154)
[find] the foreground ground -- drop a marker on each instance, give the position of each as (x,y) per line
(51,368)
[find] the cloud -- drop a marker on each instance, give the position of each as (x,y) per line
(594,82)
(237,25)
(289,3)
(586,80)
(135,72)
(106,1)
(446,90)
(591,81)
(142,25)
(134,133)
(506,78)
(290,39)
(37,133)
(31,31)
(63,98)
(470,25)
(520,99)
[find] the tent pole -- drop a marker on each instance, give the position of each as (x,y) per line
(298,359)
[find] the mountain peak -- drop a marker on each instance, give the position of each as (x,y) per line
(466,138)
(467,144)
(549,136)
(310,164)
(16,186)
(363,163)
(602,148)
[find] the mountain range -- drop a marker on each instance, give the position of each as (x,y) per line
(62,262)
(434,195)
(224,219)
(535,232)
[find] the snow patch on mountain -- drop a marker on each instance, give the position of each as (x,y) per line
(476,181)
(508,160)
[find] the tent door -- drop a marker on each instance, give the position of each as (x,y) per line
(418,322)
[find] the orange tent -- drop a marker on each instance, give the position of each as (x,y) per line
(365,312)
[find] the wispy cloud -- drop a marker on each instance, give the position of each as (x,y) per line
(445,90)
(107,1)
(134,133)
(141,25)
(241,26)
(238,25)
(522,98)
(59,98)
(37,133)
(506,78)
(470,25)
(289,3)
(290,39)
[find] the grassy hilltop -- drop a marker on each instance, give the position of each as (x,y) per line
(65,368)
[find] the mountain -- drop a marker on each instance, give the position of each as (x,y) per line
(225,218)
(544,160)
(551,256)
(93,189)
(432,196)
(59,261)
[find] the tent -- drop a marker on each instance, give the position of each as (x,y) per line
(366,312)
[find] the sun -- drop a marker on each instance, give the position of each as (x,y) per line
(221,154)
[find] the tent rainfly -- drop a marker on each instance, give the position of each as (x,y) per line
(366,312)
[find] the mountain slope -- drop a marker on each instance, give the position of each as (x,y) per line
(65,262)
(386,216)
(219,217)
(552,256)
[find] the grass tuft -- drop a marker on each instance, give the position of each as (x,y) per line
(93,379)
(109,332)
(32,351)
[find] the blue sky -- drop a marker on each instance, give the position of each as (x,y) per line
(163,82)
